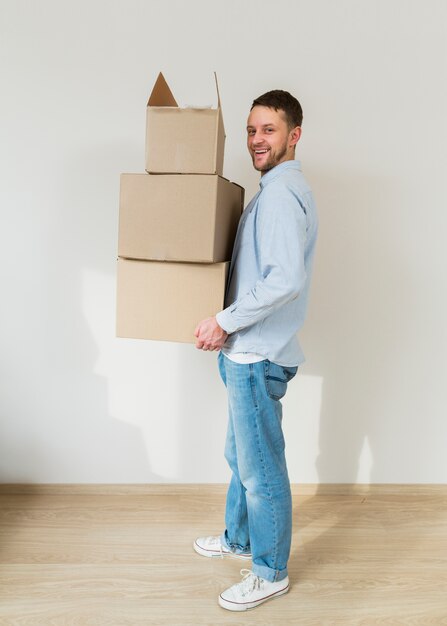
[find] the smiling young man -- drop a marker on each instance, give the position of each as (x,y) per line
(265,306)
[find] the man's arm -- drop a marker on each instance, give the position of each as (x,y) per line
(281,248)
(281,245)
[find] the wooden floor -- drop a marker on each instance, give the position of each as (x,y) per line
(123,556)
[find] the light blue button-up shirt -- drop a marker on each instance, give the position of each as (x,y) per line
(271,266)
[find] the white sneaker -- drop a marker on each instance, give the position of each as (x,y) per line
(212,546)
(251,591)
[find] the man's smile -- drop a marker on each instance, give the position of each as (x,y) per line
(260,152)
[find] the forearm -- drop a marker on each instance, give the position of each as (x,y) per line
(266,296)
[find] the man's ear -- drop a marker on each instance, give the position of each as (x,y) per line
(295,135)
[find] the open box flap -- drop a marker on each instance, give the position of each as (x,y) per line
(161,95)
(217,89)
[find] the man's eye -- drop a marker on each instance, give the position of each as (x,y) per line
(269,130)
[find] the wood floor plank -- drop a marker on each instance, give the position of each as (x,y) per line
(123,559)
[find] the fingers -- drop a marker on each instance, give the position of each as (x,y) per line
(204,345)
(207,338)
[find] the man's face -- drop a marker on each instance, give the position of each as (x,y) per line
(269,139)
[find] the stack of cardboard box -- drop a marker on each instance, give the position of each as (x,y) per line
(177,223)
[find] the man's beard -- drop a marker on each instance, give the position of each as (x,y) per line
(272,161)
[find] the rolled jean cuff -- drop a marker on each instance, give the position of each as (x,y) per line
(235,548)
(272,575)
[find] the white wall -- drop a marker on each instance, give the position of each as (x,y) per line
(79,405)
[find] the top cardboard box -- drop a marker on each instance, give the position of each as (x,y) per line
(182,140)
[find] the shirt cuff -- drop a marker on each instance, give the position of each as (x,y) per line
(225,321)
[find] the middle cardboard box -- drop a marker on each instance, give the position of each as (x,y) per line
(178,217)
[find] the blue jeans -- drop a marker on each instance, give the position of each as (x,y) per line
(258,515)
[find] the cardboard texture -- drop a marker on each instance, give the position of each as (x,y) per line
(182,140)
(165,301)
(178,218)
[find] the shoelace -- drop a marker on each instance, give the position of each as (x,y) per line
(214,541)
(249,583)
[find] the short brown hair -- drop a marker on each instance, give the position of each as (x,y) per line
(284,101)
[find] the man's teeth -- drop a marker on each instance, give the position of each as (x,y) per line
(261,151)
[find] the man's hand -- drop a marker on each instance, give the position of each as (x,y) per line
(210,336)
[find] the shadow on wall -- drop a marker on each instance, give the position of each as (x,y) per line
(358,329)
(202,416)
(73,436)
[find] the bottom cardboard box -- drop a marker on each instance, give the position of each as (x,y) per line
(165,301)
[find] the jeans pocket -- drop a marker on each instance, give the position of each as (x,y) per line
(221,366)
(276,379)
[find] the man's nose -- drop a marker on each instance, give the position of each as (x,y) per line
(256,138)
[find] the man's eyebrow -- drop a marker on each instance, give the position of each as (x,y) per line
(263,125)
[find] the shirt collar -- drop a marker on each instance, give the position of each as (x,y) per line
(278,169)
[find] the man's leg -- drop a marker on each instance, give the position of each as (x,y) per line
(256,443)
(236,536)
(235,541)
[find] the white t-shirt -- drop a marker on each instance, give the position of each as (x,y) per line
(244,357)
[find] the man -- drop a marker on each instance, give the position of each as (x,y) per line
(259,354)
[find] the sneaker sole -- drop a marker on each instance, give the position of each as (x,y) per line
(214,553)
(247,606)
